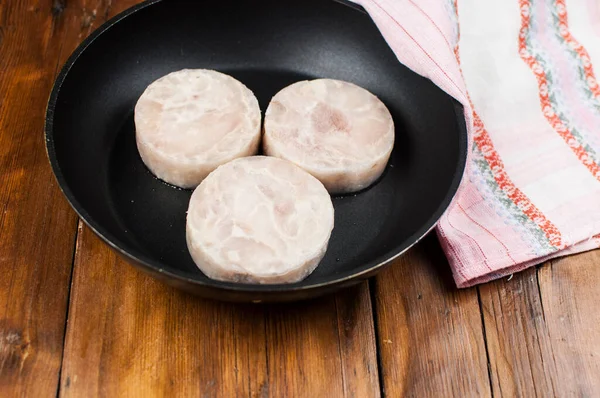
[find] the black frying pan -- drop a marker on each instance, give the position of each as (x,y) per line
(266,44)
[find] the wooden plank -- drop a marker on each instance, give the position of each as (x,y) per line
(37,227)
(542,329)
(519,346)
(429,333)
(129,334)
(569,288)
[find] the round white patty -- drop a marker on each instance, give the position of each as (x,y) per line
(259,220)
(192,121)
(339,132)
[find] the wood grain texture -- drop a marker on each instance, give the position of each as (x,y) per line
(519,345)
(569,289)
(542,329)
(37,227)
(130,335)
(429,333)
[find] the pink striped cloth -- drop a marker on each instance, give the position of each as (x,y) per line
(523,69)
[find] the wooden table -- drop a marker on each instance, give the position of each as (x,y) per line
(75,320)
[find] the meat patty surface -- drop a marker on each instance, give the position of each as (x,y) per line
(337,131)
(192,121)
(259,220)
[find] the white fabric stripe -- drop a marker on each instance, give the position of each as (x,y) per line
(504,92)
(584,25)
(573,185)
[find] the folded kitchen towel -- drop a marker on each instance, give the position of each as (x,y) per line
(524,71)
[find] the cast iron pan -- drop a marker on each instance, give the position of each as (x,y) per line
(266,44)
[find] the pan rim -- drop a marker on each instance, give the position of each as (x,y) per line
(149,264)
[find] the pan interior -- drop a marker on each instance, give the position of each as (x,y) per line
(266,44)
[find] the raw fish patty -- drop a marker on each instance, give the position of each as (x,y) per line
(338,132)
(259,220)
(192,121)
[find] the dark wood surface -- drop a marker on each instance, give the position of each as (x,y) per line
(75,320)
(128,333)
